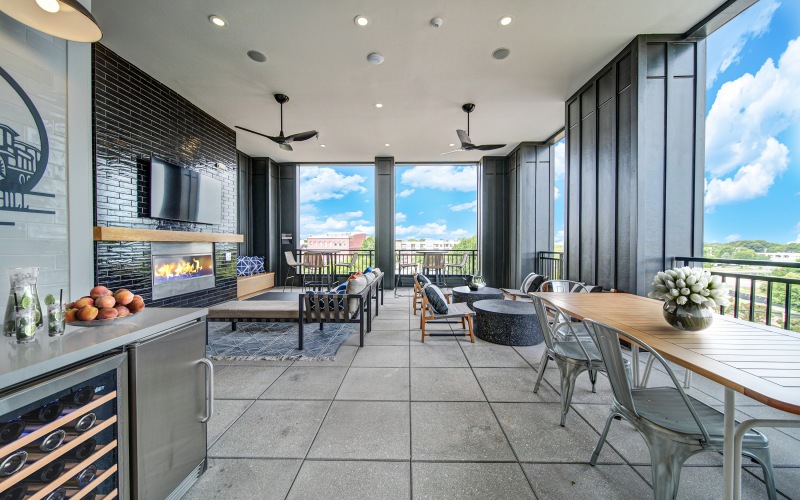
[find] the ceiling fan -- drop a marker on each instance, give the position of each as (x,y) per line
(466,142)
(284,141)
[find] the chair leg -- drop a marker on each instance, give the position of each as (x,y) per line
(666,460)
(569,374)
(471,331)
(648,367)
(540,376)
(422,326)
(593,379)
(761,455)
(603,436)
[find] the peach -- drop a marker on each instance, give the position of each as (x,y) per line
(71,305)
(107,313)
(122,311)
(105,301)
(136,305)
(138,297)
(123,296)
(99,291)
(83,302)
(87,313)
(71,315)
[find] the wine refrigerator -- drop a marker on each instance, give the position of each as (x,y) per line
(64,436)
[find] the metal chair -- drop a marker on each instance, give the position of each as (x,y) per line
(532,282)
(348,266)
(675,426)
(433,264)
(563,286)
(572,353)
(462,265)
(405,263)
(318,267)
(296,268)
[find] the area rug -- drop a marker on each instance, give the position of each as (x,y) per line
(275,341)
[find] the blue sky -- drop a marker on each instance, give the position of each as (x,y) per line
(433,201)
(753,126)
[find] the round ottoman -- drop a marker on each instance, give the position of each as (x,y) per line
(507,322)
(464,294)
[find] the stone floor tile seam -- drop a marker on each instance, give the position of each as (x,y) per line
(252,402)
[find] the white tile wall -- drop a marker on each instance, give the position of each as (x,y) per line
(38,62)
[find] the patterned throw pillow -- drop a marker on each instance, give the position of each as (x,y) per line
(436,298)
(531,283)
(423,280)
(259,265)
(244,266)
(341,288)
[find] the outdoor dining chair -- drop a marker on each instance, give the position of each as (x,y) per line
(573,354)
(348,267)
(296,269)
(675,426)
(461,266)
(405,263)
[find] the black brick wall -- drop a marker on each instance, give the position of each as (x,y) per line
(133,117)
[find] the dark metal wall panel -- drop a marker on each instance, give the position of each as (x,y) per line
(288,189)
(384,218)
(626,200)
(260,207)
(274,255)
(606,180)
(492,221)
(588,168)
(542,208)
(572,184)
(512,243)
(244,187)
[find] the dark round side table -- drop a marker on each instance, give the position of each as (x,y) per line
(469,297)
(507,322)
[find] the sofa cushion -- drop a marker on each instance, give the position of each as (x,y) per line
(354,286)
(259,265)
(369,277)
(367,270)
(531,283)
(436,299)
(422,279)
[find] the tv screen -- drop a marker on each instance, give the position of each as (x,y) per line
(180,194)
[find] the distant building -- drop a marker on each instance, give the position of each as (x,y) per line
(782,256)
(426,244)
(335,241)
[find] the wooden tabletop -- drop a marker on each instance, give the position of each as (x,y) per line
(759,361)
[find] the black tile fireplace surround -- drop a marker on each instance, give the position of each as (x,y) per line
(134,116)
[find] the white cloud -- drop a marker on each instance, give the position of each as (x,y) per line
(742,128)
(732,38)
(442,177)
(405,193)
(400,217)
(347,221)
(370,230)
(352,215)
(427,230)
(559,240)
(459,233)
(325,183)
(733,237)
(556,193)
(471,205)
(558,159)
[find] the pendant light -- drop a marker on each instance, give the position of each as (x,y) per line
(66,19)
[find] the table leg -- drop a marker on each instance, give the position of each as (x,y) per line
(728,448)
(635,364)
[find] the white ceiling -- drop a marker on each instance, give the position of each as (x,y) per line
(317,55)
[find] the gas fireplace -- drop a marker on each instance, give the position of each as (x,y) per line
(179,268)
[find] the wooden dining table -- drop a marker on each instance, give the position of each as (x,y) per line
(759,361)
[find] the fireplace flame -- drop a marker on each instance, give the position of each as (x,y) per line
(181,268)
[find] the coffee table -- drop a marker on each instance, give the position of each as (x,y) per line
(507,322)
(464,294)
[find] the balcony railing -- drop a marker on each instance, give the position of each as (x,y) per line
(761,291)
(551,264)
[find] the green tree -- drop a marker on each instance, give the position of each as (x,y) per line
(368,243)
(468,243)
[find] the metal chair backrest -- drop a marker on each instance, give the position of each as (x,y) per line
(354,259)
(607,340)
(549,328)
(463,261)
(433,261)
(314,260)
(563,286)
(290,260)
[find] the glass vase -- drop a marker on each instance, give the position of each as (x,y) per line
(689,318)
(476,282)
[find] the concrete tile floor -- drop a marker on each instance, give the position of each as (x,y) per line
(446,419)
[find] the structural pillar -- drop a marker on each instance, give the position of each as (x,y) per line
(384,218)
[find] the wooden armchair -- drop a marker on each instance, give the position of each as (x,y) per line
(459,310)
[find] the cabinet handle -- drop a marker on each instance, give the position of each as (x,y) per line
(209,389)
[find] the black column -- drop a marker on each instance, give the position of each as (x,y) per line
(384,218)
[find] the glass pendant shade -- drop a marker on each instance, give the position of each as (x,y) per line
(66,19)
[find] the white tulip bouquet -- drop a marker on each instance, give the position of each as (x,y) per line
(690,287)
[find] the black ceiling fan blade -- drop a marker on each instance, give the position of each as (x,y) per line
(276,139)
(489,147)
(464,138)
(302,136)
(454,151)
(285,146)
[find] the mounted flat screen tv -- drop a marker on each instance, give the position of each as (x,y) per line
(181,194)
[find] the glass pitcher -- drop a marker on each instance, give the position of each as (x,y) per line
(23,284)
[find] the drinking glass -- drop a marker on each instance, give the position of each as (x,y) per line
(25,324)
(56,316)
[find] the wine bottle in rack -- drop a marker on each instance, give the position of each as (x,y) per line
(15,492)
(76,454)
(84,423)
(48,443)
(71,492)
(59,493)
(13,463)
(49,472)
(84,477)
(78,397)
(11,430)
(46,413)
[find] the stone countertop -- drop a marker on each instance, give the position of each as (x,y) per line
(23,362)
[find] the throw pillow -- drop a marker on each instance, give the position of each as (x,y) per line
(370,278)
(341,288)
(376,271)
(422,279)
(531,283)
(259,265)
(436,299)
(367,270)
(354,276)
(355,285)
(244,266)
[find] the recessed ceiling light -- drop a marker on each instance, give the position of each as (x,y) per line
(361,21)
(451,145)
(50,6)
(218,21)
(374,58)
(387,144)
(323,146)
(505,21)
(501,53)
(378,105)
(256,56)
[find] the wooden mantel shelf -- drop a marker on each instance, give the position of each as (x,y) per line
(103,233)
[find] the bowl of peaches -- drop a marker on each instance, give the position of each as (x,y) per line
(102,306)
